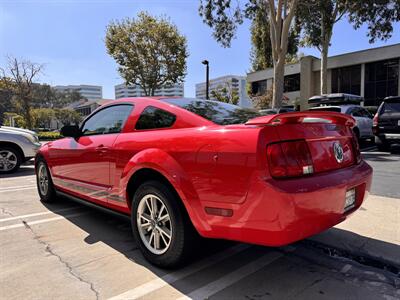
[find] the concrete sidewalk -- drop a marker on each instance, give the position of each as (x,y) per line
(371,232)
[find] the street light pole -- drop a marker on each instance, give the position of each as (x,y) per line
(206,63)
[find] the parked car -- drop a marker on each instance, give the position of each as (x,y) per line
(387,123)
(17,145)
(363,128)
(187,167)
(274,111)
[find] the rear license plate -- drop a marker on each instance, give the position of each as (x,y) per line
(350,199)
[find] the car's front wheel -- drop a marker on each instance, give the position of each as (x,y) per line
(160,225)
(10,159)
(43,181)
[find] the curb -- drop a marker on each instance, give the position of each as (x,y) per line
(355,255)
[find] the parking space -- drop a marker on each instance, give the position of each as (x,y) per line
(69,251)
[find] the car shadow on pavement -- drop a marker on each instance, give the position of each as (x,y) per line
(299,260)
(115,231)
(24,170)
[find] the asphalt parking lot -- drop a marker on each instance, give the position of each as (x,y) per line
(68,251)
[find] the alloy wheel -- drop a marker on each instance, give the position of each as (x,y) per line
(43,179)
(8,160)
(154,224)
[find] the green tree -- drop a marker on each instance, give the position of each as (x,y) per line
(261,51)
(43,117)
(224,19)
(13,119)
(318,18)
(5,99)
(67,116)
(150,51)
(45,96)
(225,93)
(19,77)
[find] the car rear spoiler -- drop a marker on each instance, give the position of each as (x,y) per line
(304,117)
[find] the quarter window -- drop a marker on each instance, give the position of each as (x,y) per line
(108,120)
(152,118)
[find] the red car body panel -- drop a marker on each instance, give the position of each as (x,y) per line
(223,167)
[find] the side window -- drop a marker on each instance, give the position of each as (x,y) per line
(152,118)
(107,120)
(365,113)
(356,112)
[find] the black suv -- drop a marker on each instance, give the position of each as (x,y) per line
(387,123)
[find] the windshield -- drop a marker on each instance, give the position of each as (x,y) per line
(218,112)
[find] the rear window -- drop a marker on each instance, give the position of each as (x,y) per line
(218,112)
(336,109)
(152,118)
(390,107)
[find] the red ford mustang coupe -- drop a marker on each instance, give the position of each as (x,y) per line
(182,167)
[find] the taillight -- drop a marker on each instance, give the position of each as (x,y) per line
(356,148)
(289,159)
(375,120)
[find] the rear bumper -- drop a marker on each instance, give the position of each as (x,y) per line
(279,212)
(388,138)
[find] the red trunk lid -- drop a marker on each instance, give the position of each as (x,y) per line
(328,135)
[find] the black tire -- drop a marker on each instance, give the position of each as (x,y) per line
(50,195)
(384,147)
(184,237)
(16,155)
(357,133)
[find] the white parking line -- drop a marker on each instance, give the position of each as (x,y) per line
(218,285)
(170,278)
(42,221)
(16,189)
(37,214)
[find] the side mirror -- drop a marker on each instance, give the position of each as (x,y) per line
(71,131)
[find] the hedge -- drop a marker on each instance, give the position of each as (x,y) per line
(49,135)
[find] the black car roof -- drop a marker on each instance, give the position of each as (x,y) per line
(392,99)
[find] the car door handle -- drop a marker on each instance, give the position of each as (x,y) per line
(101,149)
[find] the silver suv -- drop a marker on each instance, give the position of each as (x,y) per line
(16,146)
(363,128)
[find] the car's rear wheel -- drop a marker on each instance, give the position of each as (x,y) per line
(44,183)
(357,133)
(160,225)
(10,159)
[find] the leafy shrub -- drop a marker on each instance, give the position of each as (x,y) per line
(49,135)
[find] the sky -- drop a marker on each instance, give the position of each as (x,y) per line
(67,36)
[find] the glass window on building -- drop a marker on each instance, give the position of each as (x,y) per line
(347,80)
(291,83)
(381,80)
(259,87)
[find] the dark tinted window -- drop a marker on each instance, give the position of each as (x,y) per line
(356,112)
(336,109)
(218,112)
(381,80)
(291,83)
(365,113)
(347,80)
(153,117)
(108,120)
(390,107)
(259,87)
